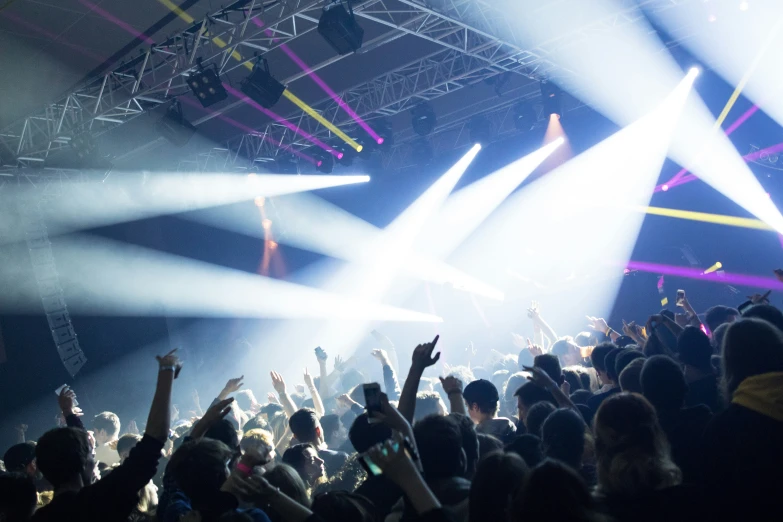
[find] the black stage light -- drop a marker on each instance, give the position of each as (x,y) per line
(261,87)
(325,164)
(207,87)
(83,145)
(553,99)
(423,119)
(174,127)
(286,164)
(524,116)
(339,28)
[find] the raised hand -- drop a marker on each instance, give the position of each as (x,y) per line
(67,402)
(321,355)
(760,298)
(518,341)
(540,377)
(392,458)
(132,427)
(534,349)
(422,355)
(308,379)
(451,384)
(598,324)
(278,383)
(170,361)
(271,397)
(339,364)
(233,385)
(215,412)
(533,312)
(381,355)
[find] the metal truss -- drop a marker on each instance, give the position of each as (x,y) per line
(465,28)
(228,39)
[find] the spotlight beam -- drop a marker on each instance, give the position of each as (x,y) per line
(725,278)
(84,205)
(113,278)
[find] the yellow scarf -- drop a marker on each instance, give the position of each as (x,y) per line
(762,394)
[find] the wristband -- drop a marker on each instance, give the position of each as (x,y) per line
(244,469)
(454,391)
(167,368)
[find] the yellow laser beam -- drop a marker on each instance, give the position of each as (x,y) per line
(717,266)
(288,94)
(718,219)
(320,119)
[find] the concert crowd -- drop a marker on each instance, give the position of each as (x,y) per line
(679,419)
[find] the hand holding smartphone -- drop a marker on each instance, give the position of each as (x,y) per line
(372,401)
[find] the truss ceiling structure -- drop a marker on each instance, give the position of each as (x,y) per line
(474,43)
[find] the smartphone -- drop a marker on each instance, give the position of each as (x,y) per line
(371,467)
(372,400)
(680,297)
(320,354)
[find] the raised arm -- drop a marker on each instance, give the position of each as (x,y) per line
(278,383)
(422,358)
(453,388)
(600,325)
(318,404)
(389,377)
(538,322)
(542,379)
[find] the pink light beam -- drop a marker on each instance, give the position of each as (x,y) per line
(116,21)
(725,278)
(322,84)
(306,135)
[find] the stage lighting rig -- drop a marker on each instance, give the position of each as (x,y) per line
(553,99)
(524,116)
(339,28)
(206,85)
(174,127)
(423,119)
(261,87)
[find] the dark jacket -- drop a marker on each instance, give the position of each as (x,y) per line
(595,401)
(684,429)
(705,391)
(674,504)
(744,451)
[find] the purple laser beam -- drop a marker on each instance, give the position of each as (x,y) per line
(55,38)
(116,21)
(250,130)
(322,84)
(695,273)
(734,126)
(753,156)
(282,121)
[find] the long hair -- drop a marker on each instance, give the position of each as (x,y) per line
(633,455)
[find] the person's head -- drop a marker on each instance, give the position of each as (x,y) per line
(463,373)
(611,363)
(513,383)
(499,378)
(66,456)
(21,458)
(663,383)
(106,426)
(750,347)
(488,444)
(630,377)
(125,444)
(482,399)
(537,415)
(350,378)
(364,435)
(718,315)
(305,426)
(439,440)
(258,422)
(598,359)
(563,437)
(497,479)
(624,359)
(258,440)
(343,506)
(246,401)
(288,480)
(766,312)
(335,433)
(716,340)
(428,403)
(527,395)
(551,366)
(470,442)
(572,377)
(17,496)
(585,339)
(580,396)
(694,349)
(553,491)
(199,468)
(632,453)
(278,424)
(567,352)
(224,431)
(528,447)
(270,409)
(305,460)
